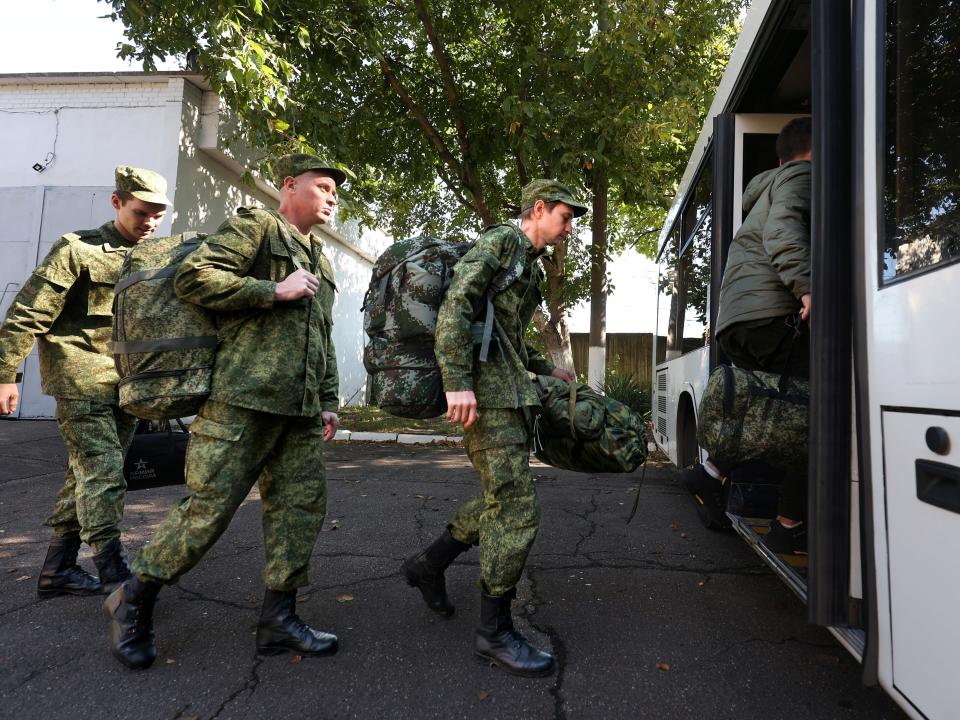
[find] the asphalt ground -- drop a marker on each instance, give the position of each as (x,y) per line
(658,618)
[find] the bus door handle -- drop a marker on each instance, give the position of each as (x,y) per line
(938,484)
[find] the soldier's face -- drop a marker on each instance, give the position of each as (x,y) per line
(556,223)
(314,196)
(137,220)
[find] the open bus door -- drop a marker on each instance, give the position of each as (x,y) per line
(907,170)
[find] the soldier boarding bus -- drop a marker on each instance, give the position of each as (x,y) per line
(881,81)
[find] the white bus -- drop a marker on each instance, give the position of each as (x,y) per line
(881,80)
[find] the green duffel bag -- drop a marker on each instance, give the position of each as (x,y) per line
(579,429)
(749,415)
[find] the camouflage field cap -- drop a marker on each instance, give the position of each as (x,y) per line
(550,191)
(298,163)
(143,184)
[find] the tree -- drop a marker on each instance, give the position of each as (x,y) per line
(445,109)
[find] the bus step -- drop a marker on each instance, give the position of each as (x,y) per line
(792,570)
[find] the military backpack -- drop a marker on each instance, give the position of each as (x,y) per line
(400,310)
(163,347)
(579,429)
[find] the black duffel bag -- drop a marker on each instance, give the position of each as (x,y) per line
(157,456)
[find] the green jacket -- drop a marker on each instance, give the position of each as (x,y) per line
(503,380)
(273,357)
(768,267)
(66,305)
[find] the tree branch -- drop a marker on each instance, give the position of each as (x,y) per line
(522,173)
(467,175)
(428,129)
(456,191)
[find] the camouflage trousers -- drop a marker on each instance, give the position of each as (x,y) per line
(232,448)
(91,500)
(503,519)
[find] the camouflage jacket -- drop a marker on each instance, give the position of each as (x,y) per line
(768,266)
(275,357)
(503,380)
(67,306)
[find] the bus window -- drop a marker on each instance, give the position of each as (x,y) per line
(685,286)
(922,155)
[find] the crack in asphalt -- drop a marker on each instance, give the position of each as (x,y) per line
(556,643)
(594,564)
(197,596)
(251,685)
(20,607)
(585,516)
(33,674)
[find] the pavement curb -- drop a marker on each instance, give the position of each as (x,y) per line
(402,438)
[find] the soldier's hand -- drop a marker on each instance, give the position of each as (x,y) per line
(9,397)
(805,310)
(330,424)
(296,285)
(462,407)
(564,374)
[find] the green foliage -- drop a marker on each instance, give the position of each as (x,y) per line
(627,389)
(445,109)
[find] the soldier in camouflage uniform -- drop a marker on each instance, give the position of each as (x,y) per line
(493,400)
(272,405)
(66,305)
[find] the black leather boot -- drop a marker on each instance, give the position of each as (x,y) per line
(112,565)
(425,571)
(130,609)
(280,630)
(60,574)
(500,643)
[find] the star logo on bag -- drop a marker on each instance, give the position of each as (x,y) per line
(141,464)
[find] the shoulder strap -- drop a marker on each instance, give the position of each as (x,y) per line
(503,280)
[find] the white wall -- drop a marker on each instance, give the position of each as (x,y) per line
(92,128)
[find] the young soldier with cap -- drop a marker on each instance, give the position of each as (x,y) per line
(66,305)
(272,406)
(493,399)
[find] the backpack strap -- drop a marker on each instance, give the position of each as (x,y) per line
(190,237)
(503,280)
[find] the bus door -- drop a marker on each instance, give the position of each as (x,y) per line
(912,258)
(754,148)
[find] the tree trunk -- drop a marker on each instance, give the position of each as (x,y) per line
(556,338)
(598,282)
(552,324)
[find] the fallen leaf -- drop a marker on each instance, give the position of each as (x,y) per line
(665,667)
(295,660)
(344,597)
(22,577)
(683,535)
(483,694)
(701,583)
(170,661)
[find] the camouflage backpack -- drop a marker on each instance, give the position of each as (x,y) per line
(400,317)
(163,347)
(754,416)
(580,429)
